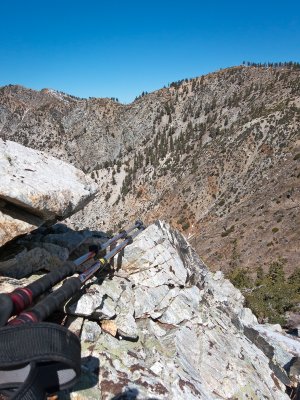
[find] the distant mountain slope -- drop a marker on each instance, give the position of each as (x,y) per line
(218,156)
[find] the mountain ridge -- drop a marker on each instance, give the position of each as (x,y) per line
(217,156)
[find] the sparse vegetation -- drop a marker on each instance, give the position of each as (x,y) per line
(270,295)
(297,156)
(185,225)
(289,64)
(227,231)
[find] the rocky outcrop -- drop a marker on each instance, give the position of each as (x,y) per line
(36,188)
(173,330)
(45,249)
(158,325)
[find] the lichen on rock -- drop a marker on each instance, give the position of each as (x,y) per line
(182,334)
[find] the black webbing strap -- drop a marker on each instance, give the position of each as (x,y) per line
(37,359)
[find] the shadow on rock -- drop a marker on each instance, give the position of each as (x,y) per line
(89,377)
(46,249)
(130,394)
(293,370)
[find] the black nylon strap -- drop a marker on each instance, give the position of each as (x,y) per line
(31,388)
(37,359)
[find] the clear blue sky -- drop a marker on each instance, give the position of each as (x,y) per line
(121,48)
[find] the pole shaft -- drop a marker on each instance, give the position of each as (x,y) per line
(56,299)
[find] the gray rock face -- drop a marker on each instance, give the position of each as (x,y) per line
(184,325)
(46,249)
(36,187)
(14,224)
(161,326)
(285,347)
(29,262)
(90,331)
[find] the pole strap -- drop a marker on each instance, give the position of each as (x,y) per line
(37,360)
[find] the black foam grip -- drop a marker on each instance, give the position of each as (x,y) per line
(56,299)
(6,308)
(94,248)
(52,278)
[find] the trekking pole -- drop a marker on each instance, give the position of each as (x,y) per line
(21,298)
(56,299)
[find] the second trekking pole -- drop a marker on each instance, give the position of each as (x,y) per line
(56,299)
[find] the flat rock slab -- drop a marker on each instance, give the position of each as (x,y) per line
(9,226)
(36,187)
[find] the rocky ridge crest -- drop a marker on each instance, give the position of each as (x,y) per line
(158,325)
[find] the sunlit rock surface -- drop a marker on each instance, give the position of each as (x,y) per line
(179,330)
(158,325)
(36,187)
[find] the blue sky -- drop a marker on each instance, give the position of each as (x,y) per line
(121,48)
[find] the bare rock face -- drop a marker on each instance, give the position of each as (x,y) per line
(45,249)
(12,226)
(173,330)
(36,187)
(157,324)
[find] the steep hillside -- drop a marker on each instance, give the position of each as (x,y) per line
(88,133)
(217,156)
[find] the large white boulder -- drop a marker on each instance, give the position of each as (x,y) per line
(36,187)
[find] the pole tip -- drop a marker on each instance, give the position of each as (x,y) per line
(139,223)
